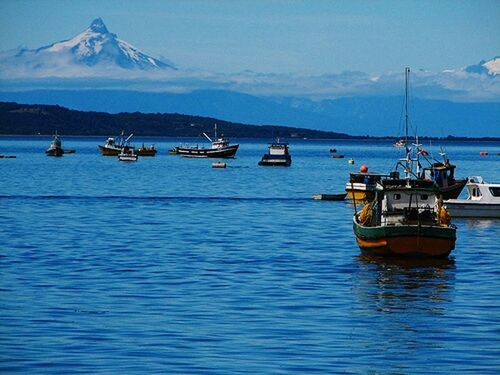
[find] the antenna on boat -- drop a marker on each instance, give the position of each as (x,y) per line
(408,156)
(205,134)
(215,130)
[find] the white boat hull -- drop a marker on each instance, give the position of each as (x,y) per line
(473,209)
(127,157)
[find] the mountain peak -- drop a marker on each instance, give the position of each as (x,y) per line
(490,67)
(98,26)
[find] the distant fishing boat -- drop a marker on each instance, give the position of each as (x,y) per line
(146,150)
(128,154)
(55,148)
(113,146)
(399,143)
(483,200)
(278,155)
(406,217)
(220,148)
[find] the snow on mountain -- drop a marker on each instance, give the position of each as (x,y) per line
(91,52)
(490,67)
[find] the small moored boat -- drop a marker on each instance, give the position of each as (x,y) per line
(329,197)
(400,143)
(483,200)
(55,148)
(443,174)
(362,184)
(128,154)
(114,146)
(277,155)
(220,148)
(147,150)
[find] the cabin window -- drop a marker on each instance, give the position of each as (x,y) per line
(475,192)
(495,191)
(397,197)
(424,197)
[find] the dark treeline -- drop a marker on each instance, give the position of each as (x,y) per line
(23,119)
(26,119)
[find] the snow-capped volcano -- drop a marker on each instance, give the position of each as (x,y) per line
(491,67)
(95,48)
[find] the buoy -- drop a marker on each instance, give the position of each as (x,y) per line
(219,164)
(483,153)
(363,169)
(351,161)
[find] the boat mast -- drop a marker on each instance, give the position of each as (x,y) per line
(408,156)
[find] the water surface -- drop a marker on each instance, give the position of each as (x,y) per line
(169,266)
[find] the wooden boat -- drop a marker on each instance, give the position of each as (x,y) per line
(220,148)
(483,200)
(55,148)
(113,147)
(406,216)
(362,184)
(146,150)
(443,174)
(278,155)
(329,197)
(128,154)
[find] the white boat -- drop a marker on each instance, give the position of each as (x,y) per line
(220,148)
(277,155)
(483,200)
(128,154)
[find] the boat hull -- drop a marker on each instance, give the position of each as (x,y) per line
(360,195)
(453,191)
(56,151)
(405,240)
(128,158)
(108,151)
(473,209)
(224,152)
(275,163)
(146,152)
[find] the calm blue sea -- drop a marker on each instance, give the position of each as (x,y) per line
(169,266)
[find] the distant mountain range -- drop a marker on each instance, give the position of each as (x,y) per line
(375,116)
(97,71)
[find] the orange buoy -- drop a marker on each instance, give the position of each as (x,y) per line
(363,169)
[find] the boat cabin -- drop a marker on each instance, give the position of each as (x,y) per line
(401,203)
(220,143)
(442,174)
(278,149)
(479,190)
(110,142)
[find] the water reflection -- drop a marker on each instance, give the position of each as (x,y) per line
(395,285)
(477,223)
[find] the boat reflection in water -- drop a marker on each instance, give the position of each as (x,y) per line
(413,285)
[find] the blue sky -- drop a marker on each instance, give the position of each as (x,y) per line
(307,37)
